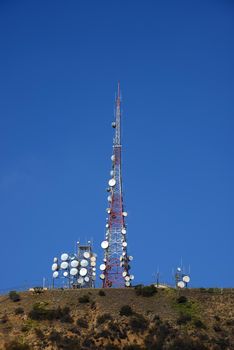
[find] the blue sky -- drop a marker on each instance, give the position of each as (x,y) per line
(59,66)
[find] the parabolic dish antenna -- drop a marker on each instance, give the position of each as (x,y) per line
(74,271)
(83,271)
(125,213)
(86,279)
(93,258)
(55,260)
(127,284)
(109,198)
(124,244)
(102,267)
(127,278)
(86,255)
(112,173)
(93,263)
(84,263)
(102,276)
(108,210)
(55,274)
(124,274)
(54,267)
(132,277)
(178,269)
(112,157)
(93,273)
(64,257)
(112,182)
(104,244)
(65,274)
(74,263)
(80,280)
(130,258)
(124,231)
(181,284)
(64,265)
(186,279)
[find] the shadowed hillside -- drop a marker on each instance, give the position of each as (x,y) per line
(142,318)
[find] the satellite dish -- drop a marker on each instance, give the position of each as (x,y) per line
(93,258)
(108,210)
(124,244)
(55,274)
(132,277)
(55,260)
(124,274)
(113,124)
(64,265)
(112,173)
(186,279)
(74,263)
(113,158)
(179,269)
(127,284)
(125,213)
(107,225)
(65,274)
(94,268)
(102,276)
(124,253)
(94,273)
(104,244)
(64,257)
(109,198)
(130,258)
(93,264)
(80,280)
(84,263)
(83,271)
(74,271)
(181,284)
(54,267)
(86,255)
(112,182)
(127,278)
(121,258)
(102,267)
(86,279)
(124,231)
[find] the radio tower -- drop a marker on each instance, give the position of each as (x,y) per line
(115,267)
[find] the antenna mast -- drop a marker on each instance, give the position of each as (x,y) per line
(115,267)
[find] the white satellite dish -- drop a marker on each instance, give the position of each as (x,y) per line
(93,258)
(125,213)
(104,259)
(179,269)
(124,231)
(102,276)
(113,124)
(181,284)
(74,263)
(186,279)
(124,253)
(112,173)
(127,284)
(64,257)
(94,268)
(112,182)
(112,157)
(124,274)
(55,260)
(102,267)
(127,278)
(107,225)
(132,277)
(74,271)
(64,265)
(130,258)
(86,279)
(94,273)
(80,280)
(65,274)
(54,267)
(93,264)
(109,198)
(124,244)
(84,263)
(83,271)
(104,244)
(55,274)
(86,255)
(108,210)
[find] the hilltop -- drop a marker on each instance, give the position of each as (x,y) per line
(192,319)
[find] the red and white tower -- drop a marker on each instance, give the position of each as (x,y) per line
(115,267)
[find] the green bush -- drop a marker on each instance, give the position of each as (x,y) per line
(101,293)
(84,299)
(15,345)
(187,344)
(138,323)
(126,310)
(19,311)
(182,300)
(145,291)
(183,319)
(39,312)
(103,318)
(14,296)
(199,324)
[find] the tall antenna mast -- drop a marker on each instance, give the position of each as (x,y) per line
(115,267)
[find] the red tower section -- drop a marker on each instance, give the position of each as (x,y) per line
(115,267)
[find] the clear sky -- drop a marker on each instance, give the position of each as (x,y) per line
(59,66)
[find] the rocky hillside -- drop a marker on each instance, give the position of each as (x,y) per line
(141,318)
